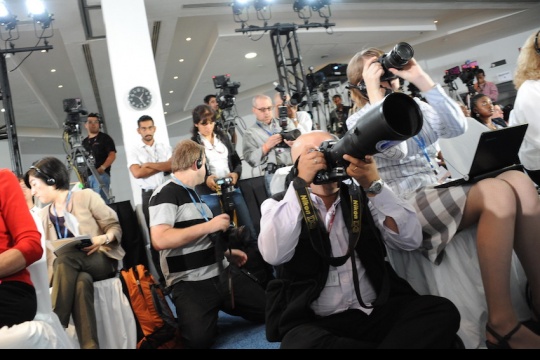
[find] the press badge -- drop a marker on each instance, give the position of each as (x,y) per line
(333,278)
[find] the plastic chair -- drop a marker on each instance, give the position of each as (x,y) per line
(45,331)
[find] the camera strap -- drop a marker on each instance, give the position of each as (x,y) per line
(320,237)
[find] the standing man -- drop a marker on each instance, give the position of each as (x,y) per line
(338,116)
(482,86)
(200,269)
(301,119)
(263,143)
(149,161)
(101,147)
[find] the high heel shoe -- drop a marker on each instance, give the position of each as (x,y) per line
(502,340)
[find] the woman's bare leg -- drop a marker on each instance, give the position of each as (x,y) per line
(492,204)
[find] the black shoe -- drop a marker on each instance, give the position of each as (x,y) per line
(502,340)
(533,325)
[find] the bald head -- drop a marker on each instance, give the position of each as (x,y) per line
(310,140)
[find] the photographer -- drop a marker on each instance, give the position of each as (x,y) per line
(338,116)
(103,149)
(301,119)
(505,209)
(220,190)
(337,300)
(264,143)
(211,100)
(189,238)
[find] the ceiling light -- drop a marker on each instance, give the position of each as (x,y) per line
(53,70)
(171,91)
(60,86)
(181,60)
(250,55)
(238,6)
(188,39)
(175,77)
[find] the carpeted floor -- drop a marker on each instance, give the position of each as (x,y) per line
(237,333)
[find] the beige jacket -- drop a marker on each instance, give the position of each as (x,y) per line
(88,215)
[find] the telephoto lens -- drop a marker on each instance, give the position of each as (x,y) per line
(397,58)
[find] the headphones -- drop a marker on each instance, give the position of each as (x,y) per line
(536,46)
(199,160)
(49,180)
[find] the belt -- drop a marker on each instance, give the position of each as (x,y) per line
(148,190)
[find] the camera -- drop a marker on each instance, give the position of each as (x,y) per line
(225,189)
(228,90)
(397,58)
(73,107)
(397,118)
(233,237)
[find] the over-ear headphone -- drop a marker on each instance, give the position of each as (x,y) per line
(200,160)
(536,46)
(49,180)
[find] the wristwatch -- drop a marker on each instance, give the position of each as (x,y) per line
(375,187)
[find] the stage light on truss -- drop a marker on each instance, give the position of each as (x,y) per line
(298,5)
(38,13)
(317,5)
(260,5)
(7,19)
(239,6)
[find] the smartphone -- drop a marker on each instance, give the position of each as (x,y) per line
(84,243)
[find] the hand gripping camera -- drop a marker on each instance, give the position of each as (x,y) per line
(397,118)
(234,236)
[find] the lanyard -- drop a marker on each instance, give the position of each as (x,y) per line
(422,145)
(200,208)
(57,225)
(266,131)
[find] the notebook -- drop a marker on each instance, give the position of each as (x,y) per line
(496,152)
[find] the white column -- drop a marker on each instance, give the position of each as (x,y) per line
(132,64)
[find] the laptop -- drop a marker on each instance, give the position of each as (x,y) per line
(496,152)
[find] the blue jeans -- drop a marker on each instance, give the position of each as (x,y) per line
(105,180)
(242,211)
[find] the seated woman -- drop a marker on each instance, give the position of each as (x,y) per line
(482,109)
(506,209)
(223,166)
(20,247)
(73,272)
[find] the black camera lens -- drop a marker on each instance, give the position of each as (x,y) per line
(398,57)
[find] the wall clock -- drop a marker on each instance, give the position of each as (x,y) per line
(140,98)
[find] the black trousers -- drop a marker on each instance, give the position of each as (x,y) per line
(18,303)
(534,175)
(146,195)
(405,322)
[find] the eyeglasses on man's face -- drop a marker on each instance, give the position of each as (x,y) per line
(265,109)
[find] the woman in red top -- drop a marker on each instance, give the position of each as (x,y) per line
(20,246)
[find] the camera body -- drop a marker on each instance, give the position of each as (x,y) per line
(397,118)
(228,90)
(225,189)
(397,58)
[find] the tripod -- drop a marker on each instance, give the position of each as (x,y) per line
(80,160)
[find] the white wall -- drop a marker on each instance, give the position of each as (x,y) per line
(485,54)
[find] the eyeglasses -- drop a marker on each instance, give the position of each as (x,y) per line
(93,122)
(265,109)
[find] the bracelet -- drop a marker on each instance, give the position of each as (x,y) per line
(108,240)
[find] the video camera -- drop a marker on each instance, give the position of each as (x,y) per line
(228,90)
(466,74)
(73,108)
(397,118)
(397,58)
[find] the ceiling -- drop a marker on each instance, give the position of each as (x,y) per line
(79,52)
